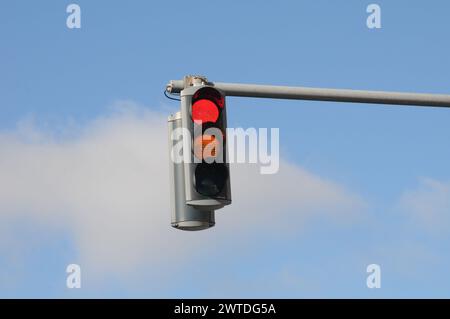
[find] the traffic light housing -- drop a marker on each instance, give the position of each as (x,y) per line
(206,168)
(199,169)
(184,217)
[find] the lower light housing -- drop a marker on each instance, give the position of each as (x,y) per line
(193,225)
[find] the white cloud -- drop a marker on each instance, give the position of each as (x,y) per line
(107,183)
(428,206)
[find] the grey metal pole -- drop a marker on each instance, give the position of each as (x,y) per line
(319,94)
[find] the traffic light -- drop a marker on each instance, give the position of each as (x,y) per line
(206,171)
(184,217)
(200,182)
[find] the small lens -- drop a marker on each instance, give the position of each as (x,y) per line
(204,111)
(210,179)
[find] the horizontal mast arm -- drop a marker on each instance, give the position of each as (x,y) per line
(319,94)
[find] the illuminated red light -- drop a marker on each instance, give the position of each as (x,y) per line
(205,111)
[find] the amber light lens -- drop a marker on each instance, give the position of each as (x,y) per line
(206,146)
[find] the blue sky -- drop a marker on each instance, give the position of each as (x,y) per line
(385,167)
